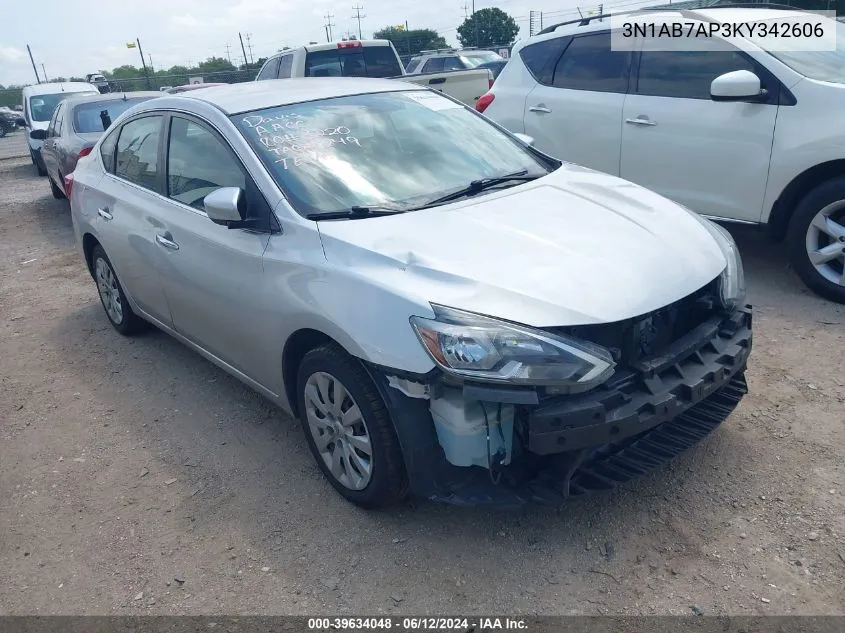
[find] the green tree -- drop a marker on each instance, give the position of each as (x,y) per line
(215,65)
(411,42)
(488,27)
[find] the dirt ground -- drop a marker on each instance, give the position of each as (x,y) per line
(137,478)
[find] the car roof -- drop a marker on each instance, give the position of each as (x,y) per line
(719,14)
(56,87)
(256,95)
(110,96)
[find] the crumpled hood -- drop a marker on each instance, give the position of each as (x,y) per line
(575,247)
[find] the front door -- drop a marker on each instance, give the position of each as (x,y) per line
(213,276)
(710,156)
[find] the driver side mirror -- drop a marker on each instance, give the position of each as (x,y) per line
(38,135)
(739,85)
(524,138)
(226,206)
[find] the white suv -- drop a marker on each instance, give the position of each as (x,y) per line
(740,134)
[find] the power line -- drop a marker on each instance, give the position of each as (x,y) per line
(358,16)
(228,54)
(249,46)
(329,26)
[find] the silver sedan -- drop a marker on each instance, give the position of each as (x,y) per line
(76,125)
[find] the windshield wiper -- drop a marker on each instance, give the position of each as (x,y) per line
(477,186)
(355,213)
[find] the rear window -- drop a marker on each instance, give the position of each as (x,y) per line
(412,65)
(367,61)
(87,119)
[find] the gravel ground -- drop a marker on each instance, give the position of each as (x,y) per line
(13,145)
(137,478)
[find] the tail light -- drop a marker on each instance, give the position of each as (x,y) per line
(85,151)
(69,185)
(484,101)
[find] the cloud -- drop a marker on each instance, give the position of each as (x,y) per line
(186,20)
(11,55)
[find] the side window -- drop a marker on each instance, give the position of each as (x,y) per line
(285,66)
(452,63)
(51,127)
(412,65)
(198,163)
(589,64)
(541,58)
(270,70)
(137,152)
(60,117)
(687,74)
(107,150)
(434,65)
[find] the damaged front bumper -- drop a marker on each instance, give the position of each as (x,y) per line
(646,414)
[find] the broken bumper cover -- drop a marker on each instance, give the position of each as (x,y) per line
(643,417)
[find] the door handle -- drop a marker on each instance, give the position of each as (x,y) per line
(165,241)
(103,212)
(539,108)
(641,120)
(437,80)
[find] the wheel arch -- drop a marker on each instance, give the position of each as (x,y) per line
(799,187)
(89,243)
(297,346)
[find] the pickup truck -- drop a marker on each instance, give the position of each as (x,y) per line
(371,58)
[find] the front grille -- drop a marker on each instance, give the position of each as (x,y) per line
(649,335)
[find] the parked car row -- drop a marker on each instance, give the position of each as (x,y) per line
(739,134)
(373,59)
(433,297)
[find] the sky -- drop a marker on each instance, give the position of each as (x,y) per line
(85,36)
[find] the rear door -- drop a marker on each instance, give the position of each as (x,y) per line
(213,276)
(574,112)
(710,156)
(129,207)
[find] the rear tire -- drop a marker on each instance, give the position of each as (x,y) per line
(367,469)
(58,194)
(816,240)
(117,308)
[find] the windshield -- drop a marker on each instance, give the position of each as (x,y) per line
(473,60)
(394,149)
(86,116)
(820,65)
(41,107)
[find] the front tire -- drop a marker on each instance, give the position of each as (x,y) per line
(348,428)
(816,240)
(38,168)
(117,308)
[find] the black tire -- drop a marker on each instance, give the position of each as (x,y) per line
(58,194)
(388,480)
(799,225)
(3,130)
(35,161)
(129,322)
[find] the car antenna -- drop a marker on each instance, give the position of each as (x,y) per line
(124,96)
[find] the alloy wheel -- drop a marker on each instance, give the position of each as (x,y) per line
(825,242)
(339,431)
(109,291)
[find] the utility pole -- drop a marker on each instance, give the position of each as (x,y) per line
(329,26)
(358,16)
(249,46)
(144,64)
(601,12)
(34,69)
(45,73)
(246,61)
(466,10)
(150,59)
(228,54)
(328,39)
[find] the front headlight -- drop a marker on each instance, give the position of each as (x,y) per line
(478,347)
(732,279)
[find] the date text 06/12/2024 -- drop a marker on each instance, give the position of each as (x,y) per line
(419,624)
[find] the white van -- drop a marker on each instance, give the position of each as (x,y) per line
(39,104)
